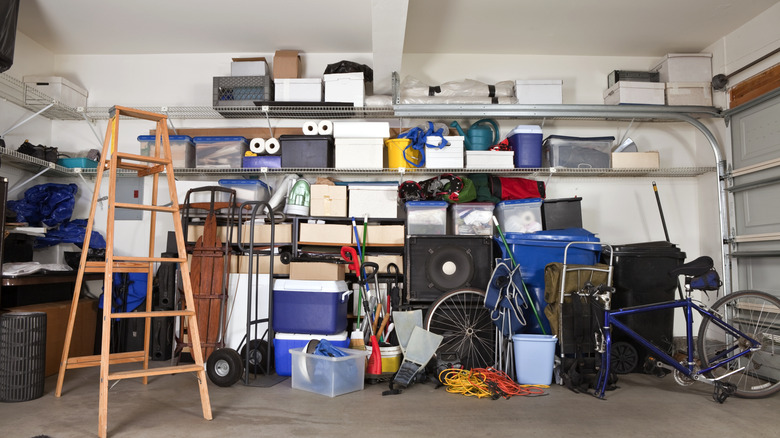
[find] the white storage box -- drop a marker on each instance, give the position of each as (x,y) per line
(685,67)
(298,90)
(472,218)
(249,67)
(329,376)
(345,87)
(635,160)
(490,159)
(447,157)
(539,92)
(182,149)
(520,215)
(376,201)
(342,129)
(363,153)
(689,93)
(426,217)
(56,87)
(651,93)
(247,189)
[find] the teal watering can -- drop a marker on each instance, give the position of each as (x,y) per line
(481,136)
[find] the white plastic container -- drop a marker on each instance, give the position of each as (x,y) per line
(426,217)
(539,92)
(520,215)
(298,90)
(345,87)
(344,129)
(376,201)
(284,342)
(689,93)
(363,153)
(56,87)
(447,157)
(685,67)
(247,189)
(472,218)
(650,93)
(329,376)
(490,159)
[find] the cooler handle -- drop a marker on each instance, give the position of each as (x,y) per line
(345,295)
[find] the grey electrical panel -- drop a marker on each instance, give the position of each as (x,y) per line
(130,191)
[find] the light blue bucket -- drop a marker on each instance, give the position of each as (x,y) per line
(534,358)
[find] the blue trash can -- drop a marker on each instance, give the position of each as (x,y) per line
(533,251)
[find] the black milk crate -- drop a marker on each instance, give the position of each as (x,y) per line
(241,90)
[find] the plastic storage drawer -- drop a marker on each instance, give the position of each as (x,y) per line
(426,217)
(329,376)
(306,151)
(182,149)
(309,306)
(520,215)
(284,342)
(581,152)
(472,218)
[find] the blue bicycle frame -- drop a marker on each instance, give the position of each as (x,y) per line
(689,369)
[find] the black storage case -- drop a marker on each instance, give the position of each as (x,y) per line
(307,151)
(559,214)
(641,276)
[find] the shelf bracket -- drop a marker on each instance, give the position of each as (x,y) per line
(92,127)
(26,120)
(19,185)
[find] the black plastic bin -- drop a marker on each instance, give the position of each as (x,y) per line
(563,213)
(22,356)
(641,276)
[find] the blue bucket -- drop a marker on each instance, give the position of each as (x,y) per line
(526,142)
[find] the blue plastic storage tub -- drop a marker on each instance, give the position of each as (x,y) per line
(533,251)
(310,306)
(220,151)
(284,342)
(182,149)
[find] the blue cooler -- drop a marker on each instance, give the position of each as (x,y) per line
(310,306)
(526,142)
(284,342)
(533,251)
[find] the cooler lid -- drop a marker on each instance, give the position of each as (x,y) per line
(525,129)
(316,286)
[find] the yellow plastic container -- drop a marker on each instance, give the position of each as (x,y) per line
(391,358)
(395,153)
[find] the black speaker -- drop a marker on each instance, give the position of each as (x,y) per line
(438,264)
(162,338)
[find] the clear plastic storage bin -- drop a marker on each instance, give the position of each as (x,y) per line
(329,376)
(520,215)
(182,149)
(472,218)
(426,217)
(579,152)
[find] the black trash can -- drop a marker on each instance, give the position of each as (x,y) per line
(641,276)
(22,356)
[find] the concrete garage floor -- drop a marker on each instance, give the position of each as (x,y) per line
(169,407)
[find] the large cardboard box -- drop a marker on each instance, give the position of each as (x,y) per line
(635,160)
(382,235)
(320,271)
(287,64)
(385,259)
(83,341)
(336,234)
(375,201)
(262,233)
(327,200)
(248,67)
(240,265)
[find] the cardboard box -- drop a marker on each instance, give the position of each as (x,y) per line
(298,90)
(345,87)
(287,64)
(57,313)
(54,87)
(376,201)
(195,231)
(385,259)
(327,200)
(248,67)
(319,271)
(685,67)
(635,160)
(382,234)
(326,233)
(262,233)
(240,265)
(533,92)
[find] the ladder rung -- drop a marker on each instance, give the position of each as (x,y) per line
(153,314)
(116,358)
(141,158)
(144,207)
(118,267)
(155,371)
(149,259)
(136,113)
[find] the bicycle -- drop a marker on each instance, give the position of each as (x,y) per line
(737,342)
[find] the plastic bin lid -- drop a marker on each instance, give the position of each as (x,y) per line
(219,138)
(565,235)
(519,202)
(309,336)
(525,129)
(568,138)
(426,204)
(170,138)
(551,201)
(648,249)
(287,285)
(242,182)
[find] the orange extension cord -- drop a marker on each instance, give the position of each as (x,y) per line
(486,382)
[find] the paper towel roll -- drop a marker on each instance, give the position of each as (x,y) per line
(272,146)
(310,127)
(257,145)
(325,127)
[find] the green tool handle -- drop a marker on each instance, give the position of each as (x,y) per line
(514,264)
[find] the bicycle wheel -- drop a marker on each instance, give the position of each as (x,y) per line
(461,318)
(756,314)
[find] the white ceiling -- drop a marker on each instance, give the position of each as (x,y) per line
(565,27)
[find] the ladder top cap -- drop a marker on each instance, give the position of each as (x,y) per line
(132,112)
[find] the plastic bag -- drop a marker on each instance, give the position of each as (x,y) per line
(351,67)
(47,204)
(71,232)
(450,92)
(10,14)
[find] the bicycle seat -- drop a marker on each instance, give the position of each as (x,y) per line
(695,267)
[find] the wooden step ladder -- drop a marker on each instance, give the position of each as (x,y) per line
(112,160)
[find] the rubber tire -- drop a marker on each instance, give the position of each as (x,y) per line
(624,358)
(224,367)
(257,347)
(703,328)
